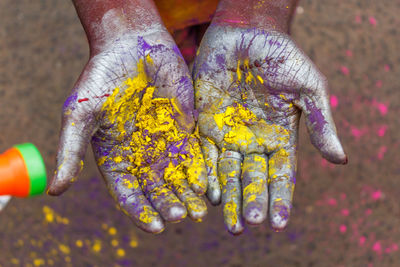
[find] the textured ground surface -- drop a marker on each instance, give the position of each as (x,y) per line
(343,216)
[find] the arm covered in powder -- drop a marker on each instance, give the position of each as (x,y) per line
(134,103)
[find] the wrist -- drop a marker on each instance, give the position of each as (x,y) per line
(105,21)
(276,15)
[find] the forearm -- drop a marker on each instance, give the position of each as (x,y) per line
(276,14)
(106,20)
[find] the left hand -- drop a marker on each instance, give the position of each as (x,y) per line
(251,86)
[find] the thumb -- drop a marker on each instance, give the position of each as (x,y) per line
(314,102)
(76,131)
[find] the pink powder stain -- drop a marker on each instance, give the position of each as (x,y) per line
(326,164)
(343,196)
(376,195)
(334,101)
(332,202)
(382,130)
(345,212)
(379,83)
(358,19)
(188,51)
(357,133)
(343,228)
(383,109)
(233,21)
(368,212)
(386,68)
(377,247)
(362,240)
(381,152)
(349,53)
(345,70)
(391,248)
(372,20)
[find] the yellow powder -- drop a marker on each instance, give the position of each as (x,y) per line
(255,188)
(79,243)
(64,249)
(278,161)
(147,215)
(230,213)
(120,252)
(158,138)
(237,117)
(112,231)
(96,246)
(238,72)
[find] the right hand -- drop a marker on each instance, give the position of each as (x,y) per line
(154,174)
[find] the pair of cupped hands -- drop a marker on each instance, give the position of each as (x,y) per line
(243,100)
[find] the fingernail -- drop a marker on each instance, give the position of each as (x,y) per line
(214,196)
(176,214)
(157,227)
(279,217)
(254,216)
(199,189)
(236,229)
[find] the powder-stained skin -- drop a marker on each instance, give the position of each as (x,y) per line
(251,86)
(134,102)
(159,153)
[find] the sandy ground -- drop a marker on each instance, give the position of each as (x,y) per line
(343,215)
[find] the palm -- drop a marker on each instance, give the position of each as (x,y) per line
(137,99)
(251,86)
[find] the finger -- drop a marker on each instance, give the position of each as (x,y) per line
(229,168)
(282,171)
(195,205)
(77,129)
(255,188)
(162,198)
(320,125)
(126,191)
(210,153)
(196,170)
(175,178)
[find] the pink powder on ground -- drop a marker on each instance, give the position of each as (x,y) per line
(382,131)
(381,152)
(334,101)
(377,247)
(376,195)
(372,20)
(345,71)
(345,212)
